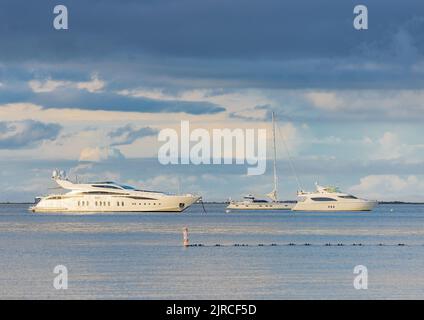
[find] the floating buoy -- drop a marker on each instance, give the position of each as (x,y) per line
(185,237)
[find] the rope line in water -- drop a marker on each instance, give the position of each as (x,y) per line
(304,245)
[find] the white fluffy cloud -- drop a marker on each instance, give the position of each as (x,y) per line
(390,187)
(389,146)
(325,100)
(393,104)
(98,154)
(49,85)
(46,85)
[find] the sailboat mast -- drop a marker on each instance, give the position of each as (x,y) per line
(275,156)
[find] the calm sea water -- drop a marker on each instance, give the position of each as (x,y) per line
(140,256)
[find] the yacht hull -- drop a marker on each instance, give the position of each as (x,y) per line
(335,206)
(92,204)
(262,206)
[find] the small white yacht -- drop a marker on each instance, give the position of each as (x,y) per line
(109,197)
(331,199)
(249,202)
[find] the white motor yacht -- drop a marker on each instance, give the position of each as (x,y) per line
(109,197)
(331,199)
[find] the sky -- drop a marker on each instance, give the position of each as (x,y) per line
(91,99)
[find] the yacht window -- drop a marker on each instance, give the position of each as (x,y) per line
(122,203)
(323,199)
(54,198)
(117,203)
(127,187)
(348,197)
(108,204)
(79,203)
(106,187)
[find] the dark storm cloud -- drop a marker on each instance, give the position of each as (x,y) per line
(212,43)
(192,28)
(26,134)
(82,99)
(128,134)
(68,98)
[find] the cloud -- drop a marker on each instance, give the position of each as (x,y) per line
(390,187)
(99,154)
(62,95)
(210,47)
(49,85)
(46,85)
(128,134)
(94,85)
(389,146)
(405,104)
(26,133)
(325,100)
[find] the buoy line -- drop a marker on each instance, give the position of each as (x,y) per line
(305,245)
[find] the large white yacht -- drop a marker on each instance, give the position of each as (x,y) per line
(249,202)
(331,199)
(109,197)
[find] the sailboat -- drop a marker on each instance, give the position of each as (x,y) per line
(249,202)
